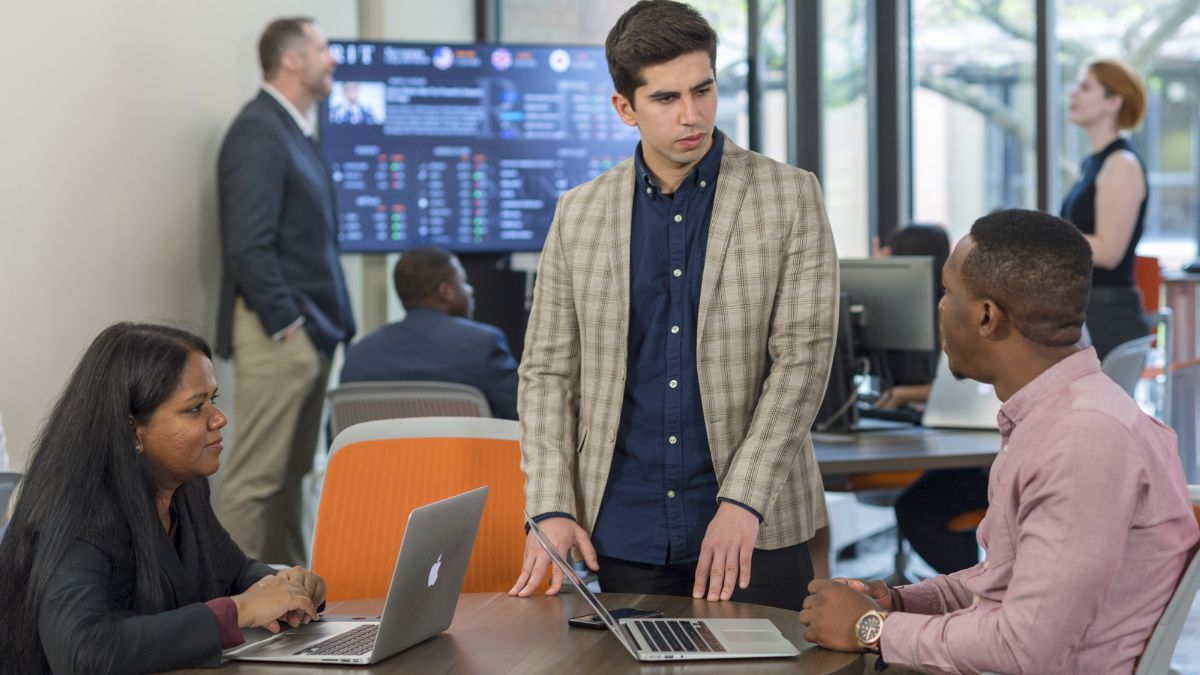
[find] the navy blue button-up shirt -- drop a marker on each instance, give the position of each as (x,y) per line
(662,490)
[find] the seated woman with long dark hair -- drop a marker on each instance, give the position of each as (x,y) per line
(114,560)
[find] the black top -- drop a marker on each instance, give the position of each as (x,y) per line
(88,601)
(1079,207)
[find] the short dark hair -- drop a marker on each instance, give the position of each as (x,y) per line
(419,272)
(279,36)
(653,32)
(1037,268)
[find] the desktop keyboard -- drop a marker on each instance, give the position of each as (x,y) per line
(679,636)
(354,642)
(907,415)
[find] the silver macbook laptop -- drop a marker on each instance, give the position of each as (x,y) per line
(959,404)
(426,582)
(680,639)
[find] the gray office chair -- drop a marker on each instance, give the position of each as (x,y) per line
(357,402)
(8,485)
(1125,362)
(1160,648)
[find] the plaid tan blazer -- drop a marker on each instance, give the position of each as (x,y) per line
(764,343)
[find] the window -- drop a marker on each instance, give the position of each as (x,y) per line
(974,112)
(1158,38)
(845,156)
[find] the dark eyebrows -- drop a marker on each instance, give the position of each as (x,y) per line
(201,395)
(660,94)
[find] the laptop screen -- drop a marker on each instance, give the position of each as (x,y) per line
(570,572)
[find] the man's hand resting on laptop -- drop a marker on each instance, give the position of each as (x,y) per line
(565,534)
(725,552)
(272,600)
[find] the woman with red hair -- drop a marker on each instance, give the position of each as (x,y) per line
(1108,202)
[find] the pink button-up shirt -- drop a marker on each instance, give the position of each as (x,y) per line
(1088,530)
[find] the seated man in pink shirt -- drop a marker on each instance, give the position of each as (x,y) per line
(1089,526)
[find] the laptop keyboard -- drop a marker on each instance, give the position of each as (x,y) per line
(671,635)
(355,642)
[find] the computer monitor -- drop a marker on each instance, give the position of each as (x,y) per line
(464,146)
(897,298)
(837,413)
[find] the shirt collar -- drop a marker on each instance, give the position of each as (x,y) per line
(705,171)
(303,121)
(1052,381)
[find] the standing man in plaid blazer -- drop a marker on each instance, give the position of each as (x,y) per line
(679,346)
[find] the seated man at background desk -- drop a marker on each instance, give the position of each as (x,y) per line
(1089,527)
(437,340)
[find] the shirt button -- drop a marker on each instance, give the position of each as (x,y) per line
(678,218)
(649,190)
(703,184)
(674,329)
(670,494)
(672,440)
(678,272)
(673,383)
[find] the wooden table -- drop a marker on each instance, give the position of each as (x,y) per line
(493,633)
(905,450)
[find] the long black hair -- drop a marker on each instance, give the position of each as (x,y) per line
(85,478)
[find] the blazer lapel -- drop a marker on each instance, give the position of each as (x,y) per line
(620,215)
(731,189)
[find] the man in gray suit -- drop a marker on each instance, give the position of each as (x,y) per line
(284,307)
(679,346)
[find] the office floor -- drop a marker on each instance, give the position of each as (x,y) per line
(874,558)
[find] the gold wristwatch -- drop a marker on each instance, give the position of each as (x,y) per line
(869,628)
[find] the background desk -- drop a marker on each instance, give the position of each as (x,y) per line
(905,450)
(493,633)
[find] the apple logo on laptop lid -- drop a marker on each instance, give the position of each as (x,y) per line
(433,571)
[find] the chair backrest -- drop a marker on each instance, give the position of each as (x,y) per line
(357,402)
(8,485)
(380,471)
(1147,275)
(1125,362)
(1157,656)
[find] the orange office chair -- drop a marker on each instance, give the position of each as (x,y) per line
(1147,276)
(379,471)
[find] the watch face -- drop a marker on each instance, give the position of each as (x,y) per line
(869,627)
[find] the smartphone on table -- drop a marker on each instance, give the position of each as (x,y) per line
(594,620)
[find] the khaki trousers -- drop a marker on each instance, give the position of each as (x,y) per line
(280,393)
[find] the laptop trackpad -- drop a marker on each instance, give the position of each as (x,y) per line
(749,635)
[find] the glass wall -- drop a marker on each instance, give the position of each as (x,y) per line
(974,114)
(1161,39)
(845,131)
(773,57)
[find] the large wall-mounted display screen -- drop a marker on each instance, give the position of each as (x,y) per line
(464,146)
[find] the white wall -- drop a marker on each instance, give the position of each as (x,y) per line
(112,115)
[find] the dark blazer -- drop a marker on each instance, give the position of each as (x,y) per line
(279,230)
(430,345)
(87,601)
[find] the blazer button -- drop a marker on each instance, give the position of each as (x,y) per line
(611,436)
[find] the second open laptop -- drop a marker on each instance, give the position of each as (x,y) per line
(426,583)
(959,404)
(669,639)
